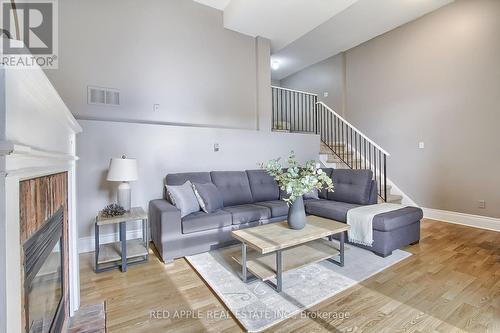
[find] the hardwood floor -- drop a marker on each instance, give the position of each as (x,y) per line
(450,284)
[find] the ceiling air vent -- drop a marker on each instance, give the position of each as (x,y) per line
(103,96)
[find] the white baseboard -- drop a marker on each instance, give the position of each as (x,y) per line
(87,244)
(476,221)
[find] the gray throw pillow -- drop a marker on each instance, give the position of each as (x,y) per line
(209,197)
(311,195)
(183,197)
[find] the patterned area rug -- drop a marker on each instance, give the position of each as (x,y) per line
(257,306)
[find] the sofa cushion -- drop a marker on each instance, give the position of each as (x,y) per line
(397,218)
(263,186)
(208,196)
(193,177)
(351,186)
(278,207)
(323,194)
(201,221)
(334,210)
(234,187)
(248,213)
(314,194)
(183,197)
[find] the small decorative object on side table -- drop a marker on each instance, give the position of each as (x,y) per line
(297,181)
(113,210)
(126,251)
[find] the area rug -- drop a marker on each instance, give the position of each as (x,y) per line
(257,306)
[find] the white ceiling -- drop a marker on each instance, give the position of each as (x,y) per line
(281,21)
(218,4)
(273,18)
(357,24)
(304,32)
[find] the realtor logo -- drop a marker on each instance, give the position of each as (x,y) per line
(29,33)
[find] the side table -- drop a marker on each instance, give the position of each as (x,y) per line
(126,251)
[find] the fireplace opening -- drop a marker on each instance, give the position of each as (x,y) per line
(43,279)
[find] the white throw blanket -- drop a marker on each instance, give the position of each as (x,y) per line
(361,221)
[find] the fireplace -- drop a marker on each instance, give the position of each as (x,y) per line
(37,177)
(44,247)
(43,277)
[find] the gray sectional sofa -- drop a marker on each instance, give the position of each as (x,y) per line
(253,197)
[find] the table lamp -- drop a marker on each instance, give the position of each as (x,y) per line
(123,170)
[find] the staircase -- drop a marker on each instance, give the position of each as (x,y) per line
(330,160)
(343,146)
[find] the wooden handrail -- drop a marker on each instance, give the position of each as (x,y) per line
(293,90)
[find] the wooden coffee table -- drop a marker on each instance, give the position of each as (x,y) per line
(278,249)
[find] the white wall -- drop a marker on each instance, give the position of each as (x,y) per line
(325,76)
(162,149)
(264,98)
(434,80)
(175,53)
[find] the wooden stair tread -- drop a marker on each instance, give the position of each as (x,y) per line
(338,152)
(393,197)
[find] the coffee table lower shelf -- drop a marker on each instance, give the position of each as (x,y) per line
(264,266)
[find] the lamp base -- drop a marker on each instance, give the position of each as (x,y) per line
(124,197)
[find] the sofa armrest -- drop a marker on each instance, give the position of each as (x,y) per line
(165,222)
(373,193)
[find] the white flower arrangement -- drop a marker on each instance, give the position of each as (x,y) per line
(298,180)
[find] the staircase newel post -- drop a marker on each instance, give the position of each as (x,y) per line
(316,114)
(385,177)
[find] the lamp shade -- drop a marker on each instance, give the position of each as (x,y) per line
(122,170)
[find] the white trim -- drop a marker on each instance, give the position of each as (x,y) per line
(163,123)
(11,148)
(26,173)
(297,91)
(323,158)
(74,259)
(476,221)
(354,128)
(87,244)
(12,248)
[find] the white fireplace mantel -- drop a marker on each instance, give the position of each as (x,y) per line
(37,138)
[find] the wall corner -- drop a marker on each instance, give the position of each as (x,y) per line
(263,71)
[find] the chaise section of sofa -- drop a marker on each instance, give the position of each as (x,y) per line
(391,230)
